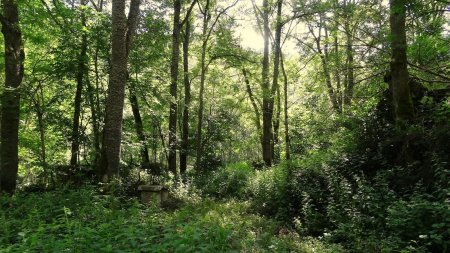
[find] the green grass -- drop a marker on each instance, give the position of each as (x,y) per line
(83,221)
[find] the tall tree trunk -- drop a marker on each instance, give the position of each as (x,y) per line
(41,126)
(275,84)
(276,129)
(10,106)
(254,104)
(267,115)
(206,18)
(95,118)
(112,131)
(94,100)
(39,105)
(172,166)
(286,115)
(255,107)
(139,126)
(77,103)
(404,110)
(122,34)
(337,61)
(349,51)
(132,23)
(187,100)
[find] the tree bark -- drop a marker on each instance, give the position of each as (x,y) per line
(95,119)
(337,62)
(286,114)
(39,108)
(172,163)
(75,147)
(112,132)
(10,106)
(404,110)
(123,30)
(276,128)
(187,100)
(267,115)
(349,51)
(206,18)
(254,105)
(275,84)
(139,126)
(132,24)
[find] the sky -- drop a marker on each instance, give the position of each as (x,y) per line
(247,29)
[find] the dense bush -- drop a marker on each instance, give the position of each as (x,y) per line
(229,181)
(267,191)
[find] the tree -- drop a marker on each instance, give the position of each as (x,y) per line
(174,87)
(267,115)
(187,99)
(112,132)
(286,114)
(132,23)
(174,61)
(403,107)
(81,71)
(350,76)
(10,106)
(206,35)
(275,84)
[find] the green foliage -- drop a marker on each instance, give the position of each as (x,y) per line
(84,221)
(267,189)
(229,181)
(422,220)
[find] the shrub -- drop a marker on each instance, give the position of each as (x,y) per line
(229,181)
(423,221)
(267,191)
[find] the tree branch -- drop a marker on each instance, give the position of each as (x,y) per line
(188,13)
(428,71)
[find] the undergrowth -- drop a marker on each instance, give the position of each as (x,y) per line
(84,221)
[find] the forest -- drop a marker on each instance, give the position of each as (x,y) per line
(225,126)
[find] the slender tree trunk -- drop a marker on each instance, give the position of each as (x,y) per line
(276,129)
(132,23)
(112,132)
(10,106)
(267,115)
(337,74)
(187,100)
(324,60)
(275,84)
(206,18)
(75,148)
(139,126)
(404,110)
(94,100)
(349,51)
(41,126)
(286,114)
(94,116)
(39,104)
(172,166)
(254,105)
